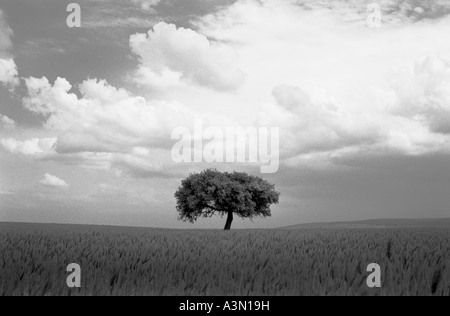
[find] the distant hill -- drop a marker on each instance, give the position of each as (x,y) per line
(379,223)
(8,227)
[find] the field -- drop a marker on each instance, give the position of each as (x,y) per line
(139,261)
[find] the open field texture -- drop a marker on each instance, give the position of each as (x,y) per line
(139,261)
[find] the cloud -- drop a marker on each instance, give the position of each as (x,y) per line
(8,68)
(394,12)
(8,73)
(414,10)
(319,128)
(123,16)
(5,34)
(53,181)
(169,54)
(105,128)
(36,148)
(104,119)
(6,123)
(147,5)
(336,87)
(316,122)
(423,94)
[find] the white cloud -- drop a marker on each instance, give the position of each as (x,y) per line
(7,123)
(423,94)
(106,128)
(37,148)
(8,73)
(315,122)
(53,181)
(169,54)
(105,119)
(331,76)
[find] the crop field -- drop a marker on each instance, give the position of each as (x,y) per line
(138,261)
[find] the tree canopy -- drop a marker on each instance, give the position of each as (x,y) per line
(212,193)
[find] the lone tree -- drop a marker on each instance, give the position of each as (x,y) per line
(212,193)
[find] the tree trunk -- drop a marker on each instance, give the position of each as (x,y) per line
(229,221)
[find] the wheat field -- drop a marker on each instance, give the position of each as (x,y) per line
(138,261)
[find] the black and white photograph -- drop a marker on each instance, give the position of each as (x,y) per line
(224,155)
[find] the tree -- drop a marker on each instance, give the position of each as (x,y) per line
(212,193)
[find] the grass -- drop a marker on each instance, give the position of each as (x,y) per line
(127,261)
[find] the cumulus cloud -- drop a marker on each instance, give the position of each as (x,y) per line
(104,119)
(7,123)
(319,128)
(53,181)
(36,147)
(317,122)
(106,128)
(423,94)
(338,87)
(8,72)
(169,54)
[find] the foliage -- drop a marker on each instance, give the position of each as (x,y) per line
(221,193)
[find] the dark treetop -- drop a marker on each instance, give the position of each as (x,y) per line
(212,193)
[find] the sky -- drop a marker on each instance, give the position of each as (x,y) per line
(86,114)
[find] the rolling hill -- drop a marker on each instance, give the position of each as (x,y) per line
(379,223)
